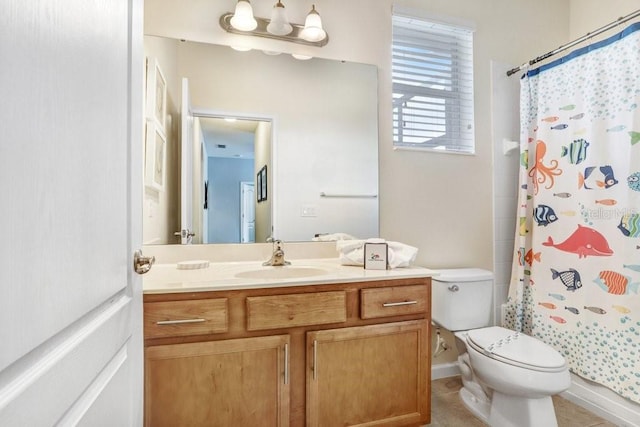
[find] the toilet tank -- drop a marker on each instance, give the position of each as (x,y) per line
(462,298)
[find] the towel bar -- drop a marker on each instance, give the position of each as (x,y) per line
(352,196)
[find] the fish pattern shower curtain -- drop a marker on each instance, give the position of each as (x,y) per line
(576,272)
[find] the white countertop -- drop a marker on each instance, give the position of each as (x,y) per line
(167,278)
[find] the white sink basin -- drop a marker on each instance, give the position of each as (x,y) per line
(284,272)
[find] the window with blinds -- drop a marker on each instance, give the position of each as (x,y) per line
(432,72)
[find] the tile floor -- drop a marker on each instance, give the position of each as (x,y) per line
(448,411)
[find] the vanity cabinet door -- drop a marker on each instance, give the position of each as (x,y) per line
(236,382)
(370,375)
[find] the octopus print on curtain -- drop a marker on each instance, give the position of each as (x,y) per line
(576,272)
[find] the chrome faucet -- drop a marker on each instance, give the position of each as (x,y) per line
(277,257)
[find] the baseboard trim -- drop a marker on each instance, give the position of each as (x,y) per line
(444,370)
(602,402)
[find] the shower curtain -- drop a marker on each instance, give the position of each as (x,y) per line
(576,269)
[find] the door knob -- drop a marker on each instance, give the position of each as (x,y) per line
(142,264)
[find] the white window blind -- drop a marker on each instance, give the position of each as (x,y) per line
(432,72)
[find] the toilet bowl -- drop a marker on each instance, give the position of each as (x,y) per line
(508,377)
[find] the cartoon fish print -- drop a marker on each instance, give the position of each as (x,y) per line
(597,178)
(531,256)
(607,202)
(568,107)
(577,116)
(548,305)
(635,137)
(521,253)
(550,119)
(576,151)
(617,128)
(562,195)
(630,225)
(544,215)
(572,310)
(621,309)
(634,181)
(584,241)
(616,283)
(557,296)
(558,319)
(570,278)
(596,310)
(560,126)
(632,267)
(523,226)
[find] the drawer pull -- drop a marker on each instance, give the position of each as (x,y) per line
(286,363)
(178,322)
(315,359)
(395,304)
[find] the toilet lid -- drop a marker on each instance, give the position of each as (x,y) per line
(515,348)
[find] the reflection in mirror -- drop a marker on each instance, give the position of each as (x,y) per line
(322,139)
(235,195)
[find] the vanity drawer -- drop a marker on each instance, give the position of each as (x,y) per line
(180,318)
(393,301)
(286,311)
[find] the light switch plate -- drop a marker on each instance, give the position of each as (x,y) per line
(309,211)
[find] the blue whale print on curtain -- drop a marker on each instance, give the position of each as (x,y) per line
(579,211)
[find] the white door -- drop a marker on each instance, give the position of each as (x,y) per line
(247,213)
(71,188)
(186,166)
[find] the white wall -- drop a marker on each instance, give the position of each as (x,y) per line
(440,203)
(505,108)
(161,210)
(587,15)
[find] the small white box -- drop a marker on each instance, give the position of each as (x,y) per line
(376,256)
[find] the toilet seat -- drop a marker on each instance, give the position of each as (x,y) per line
(515,348)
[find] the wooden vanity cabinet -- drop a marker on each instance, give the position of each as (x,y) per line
(350,354)
(368,376)
(235,382)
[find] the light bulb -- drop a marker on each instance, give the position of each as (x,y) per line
(301,57)
(279,24)
(243,19)
(313,31)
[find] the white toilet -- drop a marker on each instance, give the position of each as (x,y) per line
(508,377)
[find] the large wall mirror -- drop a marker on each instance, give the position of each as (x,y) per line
(300,159)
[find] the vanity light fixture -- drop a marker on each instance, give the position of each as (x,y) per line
(278,28)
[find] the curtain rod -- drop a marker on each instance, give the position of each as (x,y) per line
(587,36)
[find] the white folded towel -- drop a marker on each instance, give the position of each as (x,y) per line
(351,252)
(333,237)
